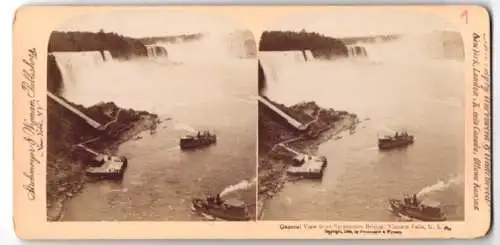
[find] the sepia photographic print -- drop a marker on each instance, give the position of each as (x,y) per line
(150,121)
(361,122)
(251,122)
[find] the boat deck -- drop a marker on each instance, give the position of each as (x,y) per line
(111,166)
(312,168)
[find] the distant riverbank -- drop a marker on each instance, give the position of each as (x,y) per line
(274,131)
(118,45)
(321,46)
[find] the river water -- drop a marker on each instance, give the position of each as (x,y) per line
(389,91)
(214,93)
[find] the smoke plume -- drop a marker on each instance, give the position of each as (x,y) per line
(242,185)
(439,186)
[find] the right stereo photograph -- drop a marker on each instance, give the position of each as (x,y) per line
(361,118)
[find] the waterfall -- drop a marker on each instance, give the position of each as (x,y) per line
(213,48)
(356,51)
(308,55)
(156,51)
(241,44)
(106,55)
(73,64)
(418,47)
(286,57)
(280,65)
(273,63)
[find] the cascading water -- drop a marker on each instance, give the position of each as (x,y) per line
(276,64)
(417,48)
(155,51)
(215,47)
(356,51)
(73,65)
(241,44)
(308,55)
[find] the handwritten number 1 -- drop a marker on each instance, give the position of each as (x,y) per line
(465,14)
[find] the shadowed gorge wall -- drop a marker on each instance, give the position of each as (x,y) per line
(54,77)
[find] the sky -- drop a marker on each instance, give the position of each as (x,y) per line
(344,23)
(357,22)
(145,23)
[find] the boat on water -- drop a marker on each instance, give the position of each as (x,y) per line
(416,209)
(110,167)
(398,140)
(229,210)
(199,140)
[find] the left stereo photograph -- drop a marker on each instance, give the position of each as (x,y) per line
(149,121)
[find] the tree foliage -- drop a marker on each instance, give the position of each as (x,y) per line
(119,46)
(321,46)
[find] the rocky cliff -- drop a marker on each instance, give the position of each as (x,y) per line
(65,168)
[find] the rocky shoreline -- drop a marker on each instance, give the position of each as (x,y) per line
(326,123)
(65,171)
